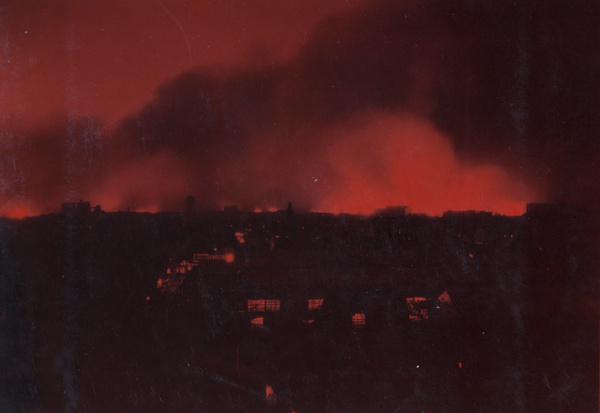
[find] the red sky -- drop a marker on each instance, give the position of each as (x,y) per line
(341,106)
(105,58)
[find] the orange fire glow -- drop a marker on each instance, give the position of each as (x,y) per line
(385,160)
(16,211)
(365,163)
(270,395)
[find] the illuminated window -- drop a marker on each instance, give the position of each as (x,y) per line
(239,236)
(358,320)
(183,267)
(315,303)
(444,298)
(417,307)
(272,305)
(256,306)
(257,322)
(261,306)
(270,395)
(201,257)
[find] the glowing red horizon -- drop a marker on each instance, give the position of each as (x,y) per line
(515,209)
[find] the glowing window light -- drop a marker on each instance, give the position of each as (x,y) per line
(418,310)
(359,320)
(256,306)
(270,395)
(257,322)
(261,306)
(315,303)
(239,236)
(272,305)
(201,257)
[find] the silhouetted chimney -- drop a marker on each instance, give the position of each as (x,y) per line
(230,209)
(189,204)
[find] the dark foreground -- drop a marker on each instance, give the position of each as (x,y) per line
(469,313)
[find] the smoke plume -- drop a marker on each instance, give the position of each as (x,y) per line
(434,105)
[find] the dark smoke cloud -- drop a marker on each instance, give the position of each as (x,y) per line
(502,84)
(515,81)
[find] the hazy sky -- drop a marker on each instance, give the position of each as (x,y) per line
(106,57)
(333,105)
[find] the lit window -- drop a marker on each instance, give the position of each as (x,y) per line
(270,395)
(315,303)
(418,310)
(256,306)
(257,322)
(239,236)
(201,257)
(444,298)
(272,305)
(260,306)
(358,320)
